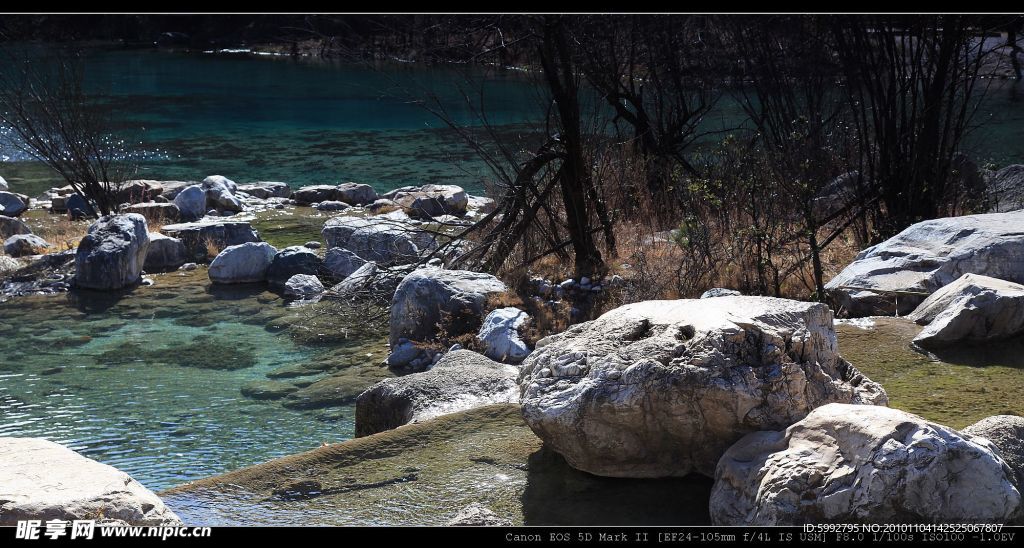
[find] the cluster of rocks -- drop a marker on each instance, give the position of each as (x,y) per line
(750,391)
(959,276)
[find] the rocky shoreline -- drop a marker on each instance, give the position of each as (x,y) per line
(747,398)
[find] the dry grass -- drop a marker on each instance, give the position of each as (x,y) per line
(59,231)
(213,248)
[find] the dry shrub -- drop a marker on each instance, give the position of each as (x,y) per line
(213,247)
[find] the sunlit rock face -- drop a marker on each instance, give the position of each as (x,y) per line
(863,464)
(926,256)
(461,380)
(663,388)
(46,481)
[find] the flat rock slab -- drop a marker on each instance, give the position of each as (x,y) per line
(43,480)
(894,276)
(460,380)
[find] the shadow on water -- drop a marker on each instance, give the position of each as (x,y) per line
(235,292)
(96,302)
(1006,353)
(557,494)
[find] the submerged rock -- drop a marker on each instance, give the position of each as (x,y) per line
(500,335)
(662,388)
(972,309)
(46,481)
(164,253)
(22,245)
(863,464)
(112,253)
(435,467)
(461,380)
(478,515)
(243,263)
(926,256)
(431,301)
(267,390)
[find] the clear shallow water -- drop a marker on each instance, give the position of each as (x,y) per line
(150,383)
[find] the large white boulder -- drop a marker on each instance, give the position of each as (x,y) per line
(863,464)
(112,253)
(663,388)
(926,256)
(460,380)
(972,309)
(243,263)
(500,335)
(46,481)
(432,301)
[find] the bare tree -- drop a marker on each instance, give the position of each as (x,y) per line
(54,120)
(913,86)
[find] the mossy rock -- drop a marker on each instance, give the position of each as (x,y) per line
(340,388)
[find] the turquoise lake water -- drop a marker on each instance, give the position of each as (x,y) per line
(299,121)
